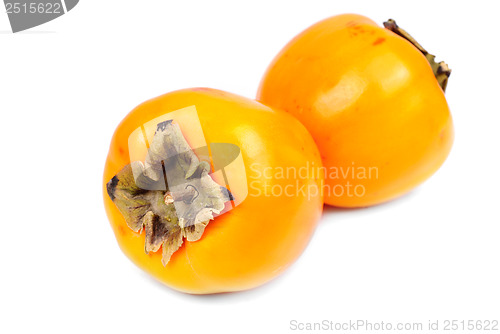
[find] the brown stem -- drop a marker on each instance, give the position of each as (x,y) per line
(441,70)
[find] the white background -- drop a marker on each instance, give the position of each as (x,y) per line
(64,87)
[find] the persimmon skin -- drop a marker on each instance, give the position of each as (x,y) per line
(258,239)
(370,100)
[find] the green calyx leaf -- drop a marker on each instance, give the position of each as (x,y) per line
(170,196)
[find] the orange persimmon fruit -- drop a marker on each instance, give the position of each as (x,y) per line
(250,243)
(373,100)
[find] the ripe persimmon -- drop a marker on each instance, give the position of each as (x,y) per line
(195,196)
(373,100)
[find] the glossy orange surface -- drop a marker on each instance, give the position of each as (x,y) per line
(370,100)
(259,238)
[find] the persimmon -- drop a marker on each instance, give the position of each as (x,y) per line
(194,193)
(373,100)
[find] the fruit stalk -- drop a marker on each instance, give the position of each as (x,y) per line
(441,70)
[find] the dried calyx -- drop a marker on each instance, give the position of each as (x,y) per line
(441,70)
(171,195)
